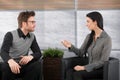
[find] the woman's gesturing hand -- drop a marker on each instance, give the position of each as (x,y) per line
(66,43)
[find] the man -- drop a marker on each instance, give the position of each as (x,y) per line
(15,49)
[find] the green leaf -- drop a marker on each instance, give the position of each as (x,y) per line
(53,52)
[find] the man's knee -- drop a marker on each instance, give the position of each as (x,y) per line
(37,66)
(5,67)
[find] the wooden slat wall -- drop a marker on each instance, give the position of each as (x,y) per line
(58,4)
(20,4)
(37,4)
(98,4)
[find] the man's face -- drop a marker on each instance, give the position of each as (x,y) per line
(30,24)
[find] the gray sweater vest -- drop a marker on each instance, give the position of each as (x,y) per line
(20,46)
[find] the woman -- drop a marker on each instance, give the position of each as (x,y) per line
(97,45)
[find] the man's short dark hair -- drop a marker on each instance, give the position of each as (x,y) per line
(23,17)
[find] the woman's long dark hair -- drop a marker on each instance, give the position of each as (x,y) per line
(95,16)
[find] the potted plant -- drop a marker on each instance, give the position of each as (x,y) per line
(52,64)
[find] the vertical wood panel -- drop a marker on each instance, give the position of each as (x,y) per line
(98,4)
(37,4)
(58,4)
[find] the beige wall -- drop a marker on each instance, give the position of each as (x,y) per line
(37,4)
(99,4)
(58,4)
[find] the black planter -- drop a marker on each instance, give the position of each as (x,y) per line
(52,68)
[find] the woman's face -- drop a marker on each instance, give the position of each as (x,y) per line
(90,23)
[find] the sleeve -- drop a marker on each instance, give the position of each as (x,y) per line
(80,51)
(36,50)
(104,56)
(7,43)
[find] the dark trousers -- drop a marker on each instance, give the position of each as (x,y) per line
(84,75)
(31,71)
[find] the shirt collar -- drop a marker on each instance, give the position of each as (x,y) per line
(21,34)
(103,34)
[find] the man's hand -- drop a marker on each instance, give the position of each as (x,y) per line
(79,68)
(14,66)
(25,59)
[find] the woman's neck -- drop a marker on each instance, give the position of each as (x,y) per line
(97,33)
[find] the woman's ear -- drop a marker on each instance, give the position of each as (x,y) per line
(95,22)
